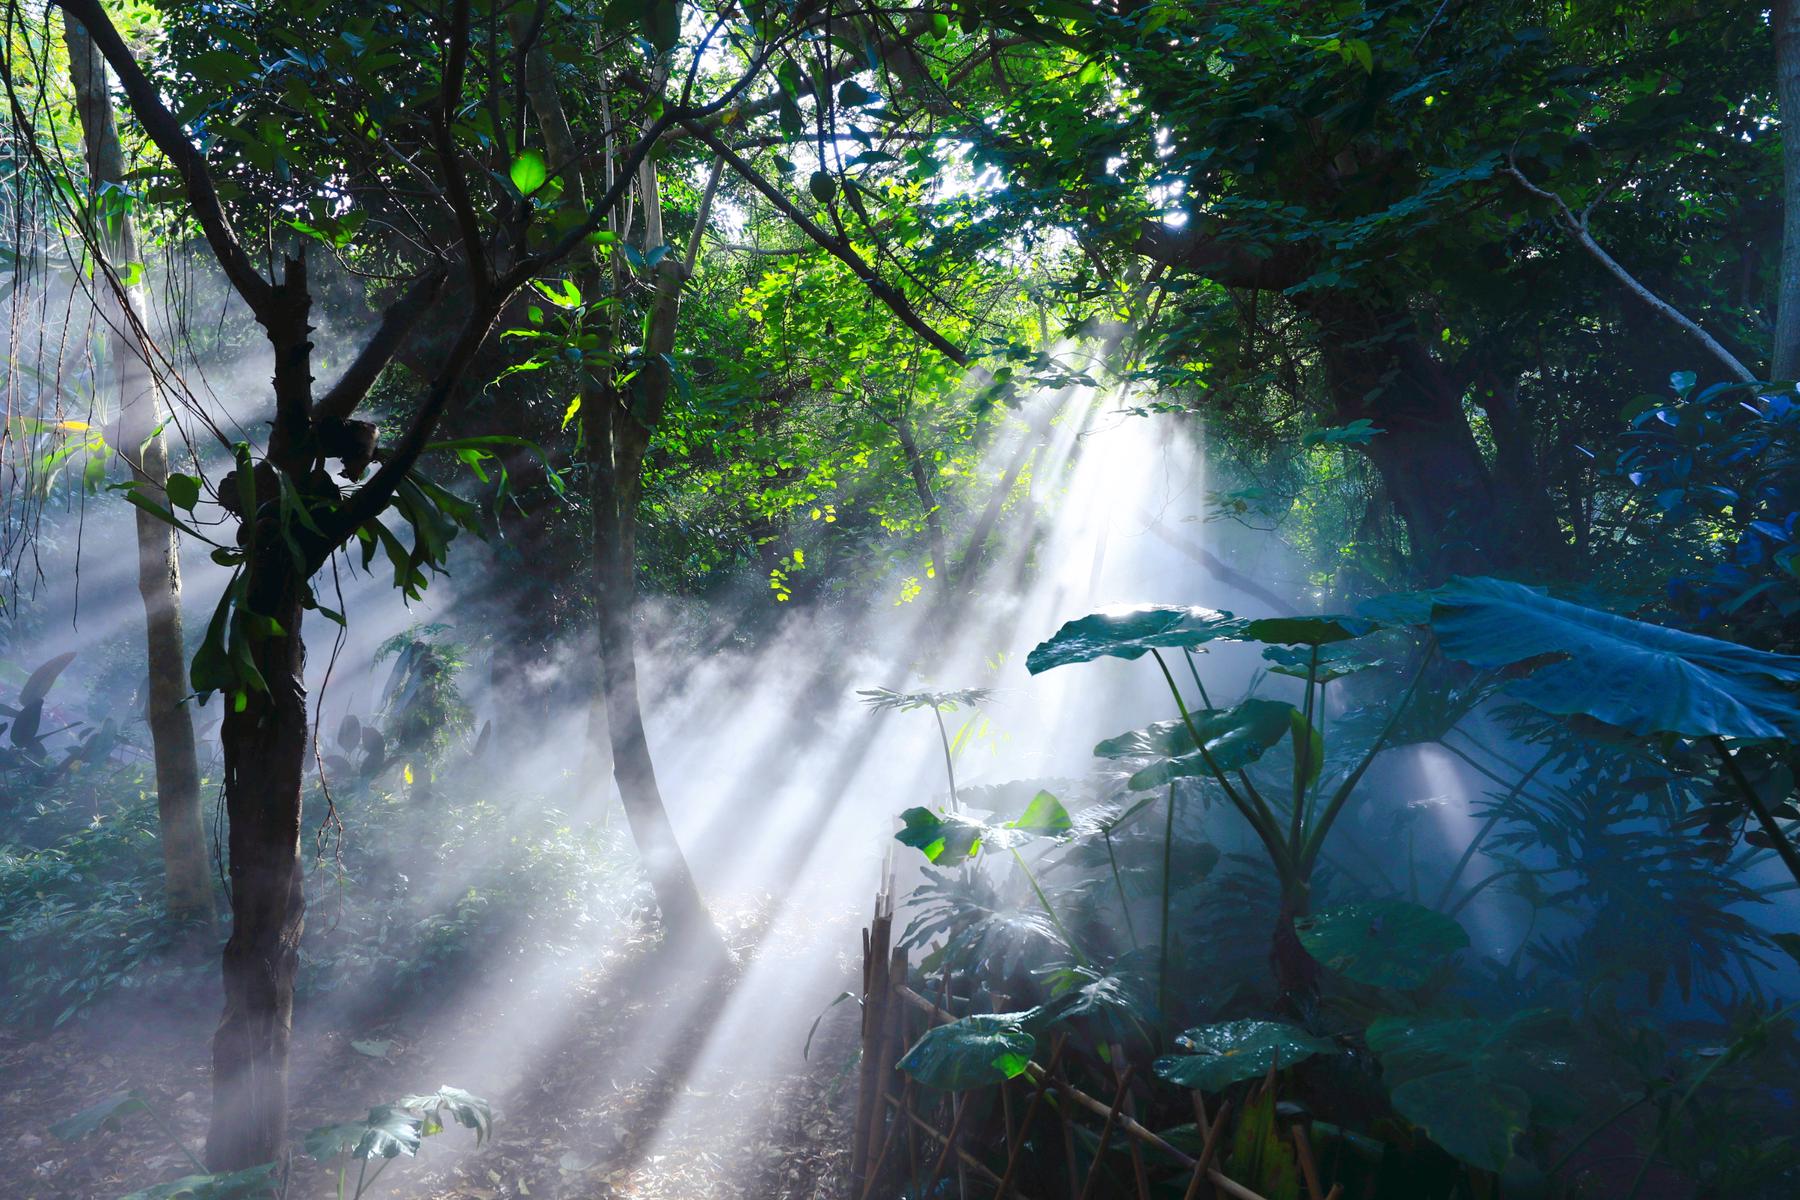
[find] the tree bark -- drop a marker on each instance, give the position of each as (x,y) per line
(265,751)
(186,875)
(1786,21)
(921,477)
(1376,367)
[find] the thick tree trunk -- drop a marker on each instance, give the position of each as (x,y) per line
(1786,19)
(1457,519)
(187,882)
(265,751)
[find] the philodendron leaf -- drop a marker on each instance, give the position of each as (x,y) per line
(252,1182)
(1387,943)
(106,1114)
(1304,631)
(466,1109)
(42,679)
(1473,1084)
(1130,633)
(973,1052)
(389,1131)
(1234,738)
(944,838)
(1222,1055)
(1331,663)
(1045,816)
(1637,676)
(529,172)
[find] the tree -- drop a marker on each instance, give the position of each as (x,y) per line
(494,231)
(119,293)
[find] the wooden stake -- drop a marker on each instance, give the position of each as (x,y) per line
(1112,1116)
(1308,1168)
(1037,1098)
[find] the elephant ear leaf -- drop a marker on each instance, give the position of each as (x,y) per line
(1130,633)
(1234,738)
(976,1051)
(1642,678)
(1473,1085)
(1222,1055)
(1388,943)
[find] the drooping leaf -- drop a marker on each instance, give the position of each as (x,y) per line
(252,1182)
(183,491)
(1386,943)
(466,1109)
(1332,663)
(388,1132)
(1221,1055)
(976,1051)
(43,679)
(1234,738)
(1640,677)
(1130,633)
(1305,631)
(104,1115)
(1473,1084)
(945,839)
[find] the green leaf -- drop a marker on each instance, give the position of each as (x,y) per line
(372,1049)
(976,1051)
(1333,662)
(1234,738)
(1386,943)
(104,1115)
(1130,633)
(1221,1055)
(852,94)
(1474,1084)
(235,1185)
(183,491)
(528,172)
(466,1109)
(944,840)
(822,186)
(1045,816)
(388,1132)
(1640,677)
(1305,631)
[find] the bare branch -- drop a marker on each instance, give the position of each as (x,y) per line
(1577,228)
(376,353)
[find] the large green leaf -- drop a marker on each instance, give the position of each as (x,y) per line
(1234,738)
(1640,677)
(1236,1050)
(973,1052)
(1305,631)
(252,1182)
(389,1131)
(1130,633)
(104,1115)
(1387,943)
(944,838)
(1472,1084)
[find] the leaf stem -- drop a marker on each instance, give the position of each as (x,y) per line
(949,762)
(1764,817)
(1050,912)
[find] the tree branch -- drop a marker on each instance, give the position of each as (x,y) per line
(1577,228)
(376,353)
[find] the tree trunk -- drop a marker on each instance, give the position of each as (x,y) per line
(615,593)
(1786,20)
(1376,367)
(186,875)
(921,477)
(265,751)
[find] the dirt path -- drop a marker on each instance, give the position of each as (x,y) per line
(610,1083)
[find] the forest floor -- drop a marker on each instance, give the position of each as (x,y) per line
(629,1098)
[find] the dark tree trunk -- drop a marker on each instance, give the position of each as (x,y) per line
(265,750)
(921,477)
(684,915)
(1457,518)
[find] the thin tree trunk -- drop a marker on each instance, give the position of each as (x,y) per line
(187,882)
(921,477)
(1786,20)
